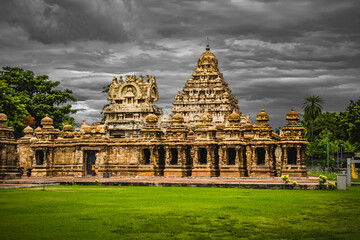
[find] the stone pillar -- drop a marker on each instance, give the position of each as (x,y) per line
(271,156)
(208,156)
(303,156)
(237,161)
(152,149)
(248,159)
(278,159)
(285,161)
(196,156)
(167,155)
(254,155)
(141,157)
(298,155)
(221,155)
(225,156)
(267,155)
(180,155)
(241,157)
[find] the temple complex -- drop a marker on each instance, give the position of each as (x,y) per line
(206,136)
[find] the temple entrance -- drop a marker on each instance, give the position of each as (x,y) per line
(39,155)
(203,156)
(260,156)
(147,155)
(231,156)
(90,159)
(174,156)
(292,155)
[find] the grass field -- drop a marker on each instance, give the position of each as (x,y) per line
(98,212)
(330,176)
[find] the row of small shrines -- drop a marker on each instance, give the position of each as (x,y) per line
(233,150)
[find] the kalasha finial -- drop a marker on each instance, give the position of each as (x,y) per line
(207,47)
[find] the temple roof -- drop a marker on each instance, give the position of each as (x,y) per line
(207,62)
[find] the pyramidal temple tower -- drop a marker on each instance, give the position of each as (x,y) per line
(206,91)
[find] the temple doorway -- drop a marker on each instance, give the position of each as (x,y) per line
(203,156)
(90,160)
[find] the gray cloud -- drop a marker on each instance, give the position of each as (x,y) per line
(272,53)
(53,21)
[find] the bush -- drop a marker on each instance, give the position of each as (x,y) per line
(285,178)
(295,183)
(322,180)
(331,186)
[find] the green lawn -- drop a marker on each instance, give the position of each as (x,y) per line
(100,212)
(331,176)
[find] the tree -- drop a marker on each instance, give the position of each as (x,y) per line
(350,123)
(24,94)
(312,107)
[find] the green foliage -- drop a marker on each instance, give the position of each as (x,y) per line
(331,186)
(350,123)
(23,94)
(322,180)
(344,128)
(312,106)
(105,212)
(285,178)
(318,147)
(295,183)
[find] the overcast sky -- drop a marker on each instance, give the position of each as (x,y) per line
(272,53)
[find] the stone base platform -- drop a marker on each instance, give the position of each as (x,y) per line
(255,183)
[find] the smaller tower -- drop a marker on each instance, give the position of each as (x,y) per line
(131,101)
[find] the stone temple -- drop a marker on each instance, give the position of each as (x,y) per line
(206,136)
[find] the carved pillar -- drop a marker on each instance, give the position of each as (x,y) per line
(241,156)
(212,154)
(237,161)
(167,155)
(196,156)
(298,156)
(221,155)
(271,156)
(226,156)
(208,156)
(254,156)
(267,155)
(248,159)
(303,156)
(152,159)
(181,158)
(285,161)
(141,157)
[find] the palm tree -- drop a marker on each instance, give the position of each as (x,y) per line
(312,109)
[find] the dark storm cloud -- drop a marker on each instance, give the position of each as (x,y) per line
(272,53)
(55,21)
